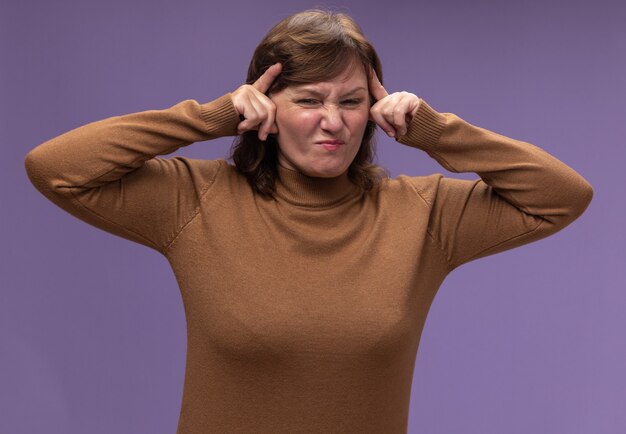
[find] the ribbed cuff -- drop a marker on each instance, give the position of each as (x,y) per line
(220,116)
(425,128)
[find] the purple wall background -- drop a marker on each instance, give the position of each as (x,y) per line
(92,329)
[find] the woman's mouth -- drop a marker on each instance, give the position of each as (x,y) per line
(331,145)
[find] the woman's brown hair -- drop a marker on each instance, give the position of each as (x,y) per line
(312,46)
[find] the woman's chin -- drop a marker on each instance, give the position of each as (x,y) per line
(326,172)
(316,169)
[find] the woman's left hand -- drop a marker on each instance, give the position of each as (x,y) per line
(394,112)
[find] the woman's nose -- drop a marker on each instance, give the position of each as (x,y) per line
(332,119)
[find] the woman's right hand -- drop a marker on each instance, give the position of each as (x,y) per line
(256,108)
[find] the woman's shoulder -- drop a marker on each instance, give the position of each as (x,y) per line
(202,172)
(424,186)
(201,167)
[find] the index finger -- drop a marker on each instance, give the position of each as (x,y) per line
(376,88)
(264,82)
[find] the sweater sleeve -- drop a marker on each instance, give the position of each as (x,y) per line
(107,172)
(523,194)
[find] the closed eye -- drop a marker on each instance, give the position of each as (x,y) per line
(307,101)
(351,102)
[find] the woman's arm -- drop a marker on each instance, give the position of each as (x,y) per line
(106,174)
(523,193)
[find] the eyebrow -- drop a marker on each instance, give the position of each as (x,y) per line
(320,94)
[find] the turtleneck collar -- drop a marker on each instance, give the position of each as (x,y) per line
(302,190)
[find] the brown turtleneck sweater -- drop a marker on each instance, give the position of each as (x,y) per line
(304,313)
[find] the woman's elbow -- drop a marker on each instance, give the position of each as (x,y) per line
(32,165)
(39,170)
(584,197)
(578,200)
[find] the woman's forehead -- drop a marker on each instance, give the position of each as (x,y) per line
(350,80)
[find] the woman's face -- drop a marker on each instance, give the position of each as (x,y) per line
(321,125)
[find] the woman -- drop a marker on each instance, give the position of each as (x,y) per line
(306,274)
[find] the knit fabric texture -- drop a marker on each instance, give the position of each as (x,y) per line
(304,311)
